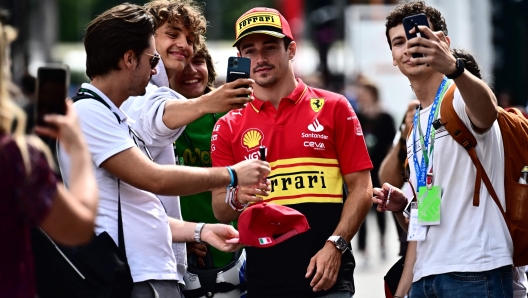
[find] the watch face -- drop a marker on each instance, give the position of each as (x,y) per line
(341,243)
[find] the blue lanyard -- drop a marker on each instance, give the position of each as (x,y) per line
(421,169)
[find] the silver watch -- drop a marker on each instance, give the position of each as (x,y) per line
(339,242)
(198,232)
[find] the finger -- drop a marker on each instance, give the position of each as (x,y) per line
(239,100)
(237,106)
(199,252)
(441,36)
(425,30)
(310,269)
(421,50)
(201,262)
(327,281)
(46,131)
(250,198)
(421,61)
(317,277)
(241,91)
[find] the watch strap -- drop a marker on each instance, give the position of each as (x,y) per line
(198,232)
(460,66)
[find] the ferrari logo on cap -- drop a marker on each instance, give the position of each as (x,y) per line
(316,104)
(252,138)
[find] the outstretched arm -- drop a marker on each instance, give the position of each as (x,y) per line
(178,112)
(481,104)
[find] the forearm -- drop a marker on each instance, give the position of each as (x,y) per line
(222,211)
(183,180)
(355,208)
(178,112)
(181,231)
(391,168)
(82,184)
(404,286)
(481,104)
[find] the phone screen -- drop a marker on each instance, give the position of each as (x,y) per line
(238,68)
(52,91)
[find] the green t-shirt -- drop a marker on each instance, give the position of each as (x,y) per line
(198,207)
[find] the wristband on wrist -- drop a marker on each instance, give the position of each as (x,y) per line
(232,199)
(234,179)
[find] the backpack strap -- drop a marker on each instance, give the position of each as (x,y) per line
(461,134)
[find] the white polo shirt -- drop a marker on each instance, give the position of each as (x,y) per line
(145,223)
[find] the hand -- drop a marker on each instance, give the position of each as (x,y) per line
(395,203)
(200,250)
(251,172)
(217,234)
(436,50)
(326,263)
(253,194)
(224,98)
(68,130)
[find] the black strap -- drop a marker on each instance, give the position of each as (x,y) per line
(86,93)
(120,233)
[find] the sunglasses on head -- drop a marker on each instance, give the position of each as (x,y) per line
(154,61)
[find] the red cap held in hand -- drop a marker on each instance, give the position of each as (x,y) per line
(265,225)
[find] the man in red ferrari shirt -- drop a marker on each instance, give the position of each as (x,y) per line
(314,144)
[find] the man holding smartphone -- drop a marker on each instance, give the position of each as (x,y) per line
(314,143)
(468,253)
(161,113)
(120,61)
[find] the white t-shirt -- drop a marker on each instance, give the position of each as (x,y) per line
(145,224)
(147,112)
(468,239)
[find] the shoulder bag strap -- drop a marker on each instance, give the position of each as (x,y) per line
(458,130)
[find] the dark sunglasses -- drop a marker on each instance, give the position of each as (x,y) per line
(154,61)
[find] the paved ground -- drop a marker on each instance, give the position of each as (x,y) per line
(368,277)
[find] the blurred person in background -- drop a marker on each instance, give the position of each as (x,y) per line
(32,195)
(378,131)
(304,130)
(161,113)
(121,58)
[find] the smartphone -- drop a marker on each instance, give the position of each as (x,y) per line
(237,68)
(52,90)
(413,22)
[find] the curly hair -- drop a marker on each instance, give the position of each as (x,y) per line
(401,11)
(185,12)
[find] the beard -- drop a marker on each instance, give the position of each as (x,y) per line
(267,81)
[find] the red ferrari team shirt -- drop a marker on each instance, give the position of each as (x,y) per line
(311,140)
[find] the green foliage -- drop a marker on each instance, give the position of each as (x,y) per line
(76,14)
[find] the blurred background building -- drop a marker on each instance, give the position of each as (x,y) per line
(338,40)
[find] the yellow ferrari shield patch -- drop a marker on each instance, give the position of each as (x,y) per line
(316,104)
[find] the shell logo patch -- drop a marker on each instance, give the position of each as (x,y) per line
(252,138)
(316,104)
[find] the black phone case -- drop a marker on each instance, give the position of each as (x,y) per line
(238,68)
(409,23)
(52,91)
